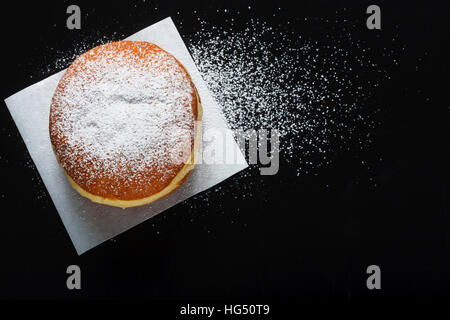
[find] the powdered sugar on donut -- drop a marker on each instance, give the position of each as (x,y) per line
(120,116)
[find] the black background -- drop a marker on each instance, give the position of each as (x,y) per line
(307,237)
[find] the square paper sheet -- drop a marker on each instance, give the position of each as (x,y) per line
(88,223)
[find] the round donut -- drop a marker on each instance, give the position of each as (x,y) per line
(125,123)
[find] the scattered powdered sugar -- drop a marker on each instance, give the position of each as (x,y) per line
(312,91)
(123,113)
(316,88)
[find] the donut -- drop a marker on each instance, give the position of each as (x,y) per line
(125,123)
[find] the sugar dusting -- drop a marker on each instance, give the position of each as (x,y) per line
(312,92)
(317,91)
(121,116)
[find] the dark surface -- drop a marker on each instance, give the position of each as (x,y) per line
(309,237)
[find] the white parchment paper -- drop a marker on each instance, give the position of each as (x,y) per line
(88,223)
